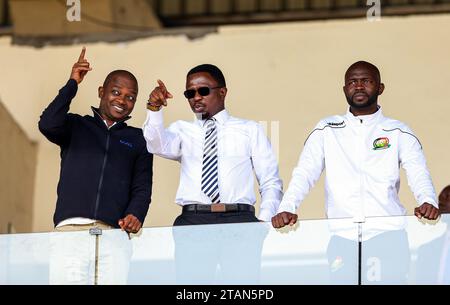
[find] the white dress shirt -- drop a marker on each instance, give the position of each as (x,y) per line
(361,178)
(242,147)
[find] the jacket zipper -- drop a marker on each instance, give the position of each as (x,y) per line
(362,170)
(100,183)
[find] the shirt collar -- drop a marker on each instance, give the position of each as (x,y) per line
(220,117)
(364,119)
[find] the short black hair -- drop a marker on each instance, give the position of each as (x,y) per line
(211,70)
(365,64)
(112,75)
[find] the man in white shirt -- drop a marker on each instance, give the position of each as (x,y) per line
(362,152)
(216,179)
(218,154)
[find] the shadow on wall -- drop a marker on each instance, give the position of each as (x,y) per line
(18,164)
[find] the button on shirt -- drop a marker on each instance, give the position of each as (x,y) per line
(242,147)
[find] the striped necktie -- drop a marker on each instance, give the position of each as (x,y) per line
(210,185)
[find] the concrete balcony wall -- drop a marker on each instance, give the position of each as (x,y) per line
(18,164)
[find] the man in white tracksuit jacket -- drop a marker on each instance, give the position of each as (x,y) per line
(362,152)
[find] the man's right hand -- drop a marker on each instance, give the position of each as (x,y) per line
(284,218)
(80,68)
(159,95)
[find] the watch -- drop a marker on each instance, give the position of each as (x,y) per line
(153,107)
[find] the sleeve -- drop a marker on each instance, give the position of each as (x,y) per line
(308,170)
(266,169)
(163,142)
(55,122)
(141,187)
(412,159)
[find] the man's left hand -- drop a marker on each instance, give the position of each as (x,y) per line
(130,224)
(428,211)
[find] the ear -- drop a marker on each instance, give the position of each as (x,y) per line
(223,92)
(100,91)
(381,89)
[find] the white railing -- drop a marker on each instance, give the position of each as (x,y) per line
(379,250)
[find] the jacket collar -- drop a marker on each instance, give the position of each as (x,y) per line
(97,115)
(368,119)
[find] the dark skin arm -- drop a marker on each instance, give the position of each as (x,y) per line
(427,211)
(130,223)
(284,218)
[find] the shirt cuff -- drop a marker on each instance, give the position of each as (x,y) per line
(265,215)
(286,207)
(154,118)
(430,201)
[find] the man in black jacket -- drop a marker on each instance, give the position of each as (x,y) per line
(106,171)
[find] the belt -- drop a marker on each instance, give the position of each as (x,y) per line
(218,208)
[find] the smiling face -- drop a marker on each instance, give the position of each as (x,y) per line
(210,104)
(362,88)
(117,98)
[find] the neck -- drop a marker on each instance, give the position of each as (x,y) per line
(109,123)
(206,116)
(105,118)
(364,111)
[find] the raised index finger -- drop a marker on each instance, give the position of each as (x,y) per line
(83,52)
(162,86)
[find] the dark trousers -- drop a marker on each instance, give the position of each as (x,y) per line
(218,254)
(194,218)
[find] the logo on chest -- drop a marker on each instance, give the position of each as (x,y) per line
(130,145)
(381,143)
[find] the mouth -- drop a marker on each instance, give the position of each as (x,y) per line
(199,107)
(118,109)
(360,96)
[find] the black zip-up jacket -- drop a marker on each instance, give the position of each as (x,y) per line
(105,174)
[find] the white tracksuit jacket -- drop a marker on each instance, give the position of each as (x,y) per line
(362,157)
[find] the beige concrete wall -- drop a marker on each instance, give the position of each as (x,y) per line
(18,164)
(288,73)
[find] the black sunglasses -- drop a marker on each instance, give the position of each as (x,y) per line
(203,91)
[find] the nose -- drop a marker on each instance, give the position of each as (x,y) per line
(359,84)
(121,99)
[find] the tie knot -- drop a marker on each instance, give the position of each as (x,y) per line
(210,123)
